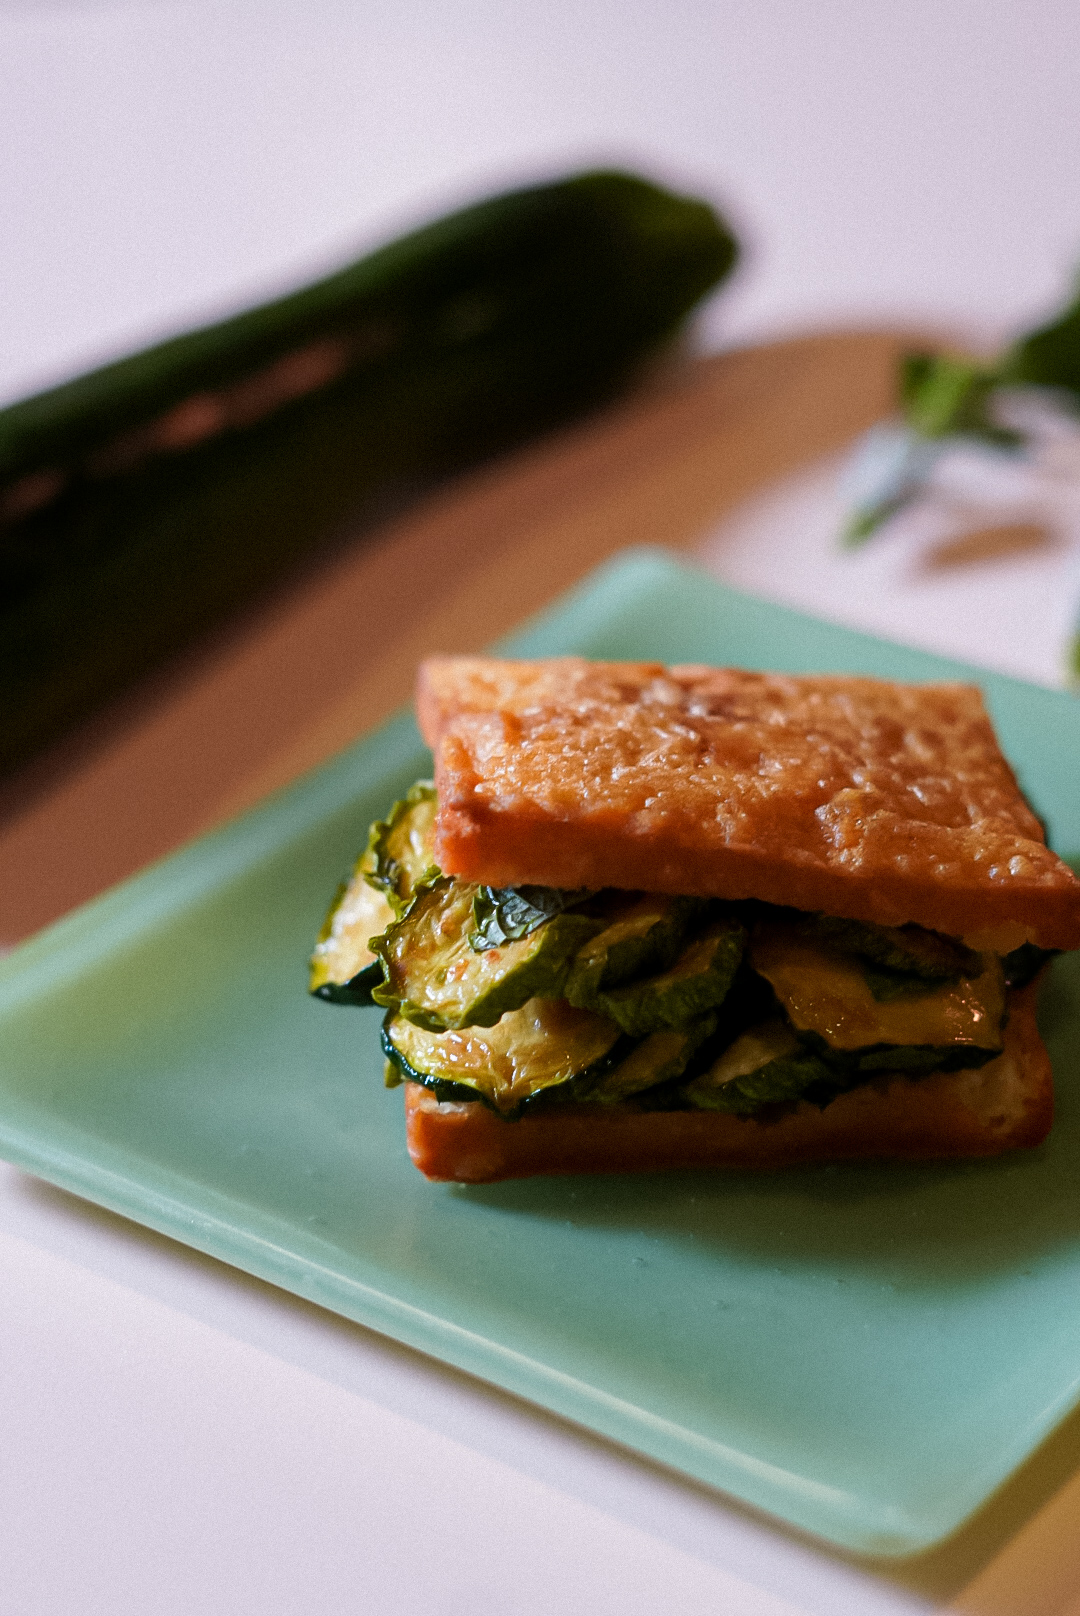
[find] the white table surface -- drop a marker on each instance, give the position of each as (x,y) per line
(176,1438)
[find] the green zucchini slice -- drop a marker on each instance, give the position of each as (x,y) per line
(435,977)
(394,865)
(832,1006)
(400,851)
(343,968)
(542,1045)
(907,950)
(642,935)
(766,1065)
(662,1057)
(698,981)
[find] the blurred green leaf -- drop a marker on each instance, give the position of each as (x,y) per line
(944,395)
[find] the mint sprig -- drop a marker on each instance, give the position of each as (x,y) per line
(946,398)
(504,915)
(943,397)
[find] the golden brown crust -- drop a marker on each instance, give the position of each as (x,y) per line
(1005,1105)
(858,797)
(448,686)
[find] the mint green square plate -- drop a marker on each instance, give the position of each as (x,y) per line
(866,1352)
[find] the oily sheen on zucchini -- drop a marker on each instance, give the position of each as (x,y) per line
(401,848)
(396,863)
(696,981)
(435,976)
(543,1045)
(344,970)
(829,999)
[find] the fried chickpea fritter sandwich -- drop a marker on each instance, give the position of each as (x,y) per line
(652,917)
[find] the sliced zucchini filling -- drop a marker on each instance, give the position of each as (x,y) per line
(504,994)
(906,950)
(830,1003)
(662,1057)
(642,934)
(767,1065)
(400,847)
(698,981)
(435,977)
(397,861)
(544,1044)
(343,968)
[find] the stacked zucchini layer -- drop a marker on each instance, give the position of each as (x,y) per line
(526,996)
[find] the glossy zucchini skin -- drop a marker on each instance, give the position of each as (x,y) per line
(660,1058)
(433,975)
(642,935)
(696,982)
(400,850)
(141,503)
(541,1050)
(343,969)
(394,867)
(905,950)
(355,994)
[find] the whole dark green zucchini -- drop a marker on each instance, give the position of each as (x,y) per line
(140,503)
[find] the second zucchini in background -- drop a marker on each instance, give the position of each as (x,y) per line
(143,502)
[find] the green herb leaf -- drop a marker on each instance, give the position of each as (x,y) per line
(944,396)
(504,915)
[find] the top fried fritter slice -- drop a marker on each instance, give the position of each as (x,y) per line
(861,798)
(449,686)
